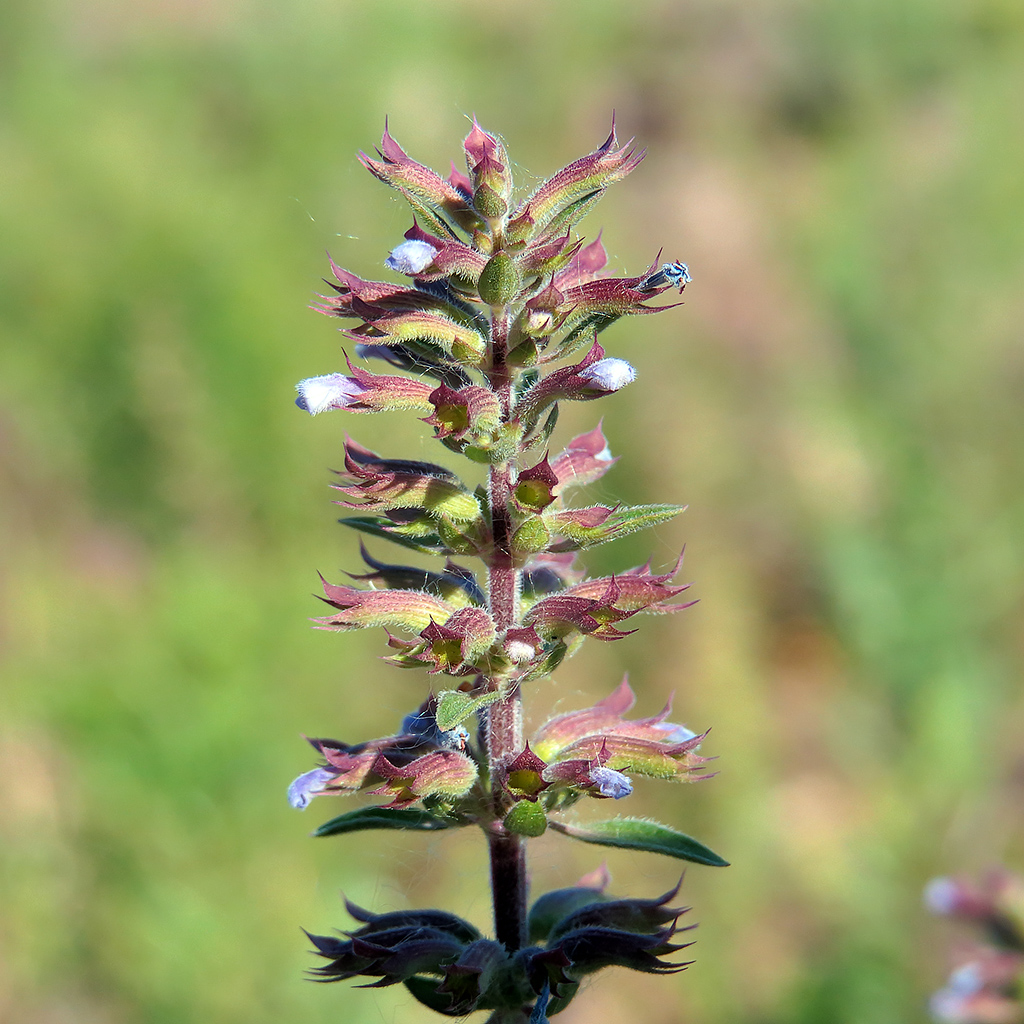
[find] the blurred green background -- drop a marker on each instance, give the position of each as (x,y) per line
(838,401)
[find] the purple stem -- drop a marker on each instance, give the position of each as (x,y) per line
(504,720)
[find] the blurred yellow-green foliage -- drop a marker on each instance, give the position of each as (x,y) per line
(839,401)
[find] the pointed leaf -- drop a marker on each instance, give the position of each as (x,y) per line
(406,819)
(574,212)
(642,834)
(454,706)
(553,906)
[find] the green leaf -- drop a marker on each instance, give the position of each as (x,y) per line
(573,213)
(454,706)
(554,654)
(642,834)
(406,819)
(377,526)
(549,424)
(427,216)
(581,330)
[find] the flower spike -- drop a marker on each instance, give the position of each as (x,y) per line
(491,323)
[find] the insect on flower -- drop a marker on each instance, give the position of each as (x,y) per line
(675,275)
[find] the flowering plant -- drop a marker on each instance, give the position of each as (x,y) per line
(986,985)
(497,293)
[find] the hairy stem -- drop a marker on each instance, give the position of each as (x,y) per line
(504,719)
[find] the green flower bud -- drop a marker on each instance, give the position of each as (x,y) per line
(489,203)
(500,280)
(526,818)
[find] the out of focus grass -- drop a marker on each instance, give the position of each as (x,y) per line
(839,401)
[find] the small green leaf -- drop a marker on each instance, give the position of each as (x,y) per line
(428,217)
(454,707)
(573,212)
(406,819)
(642,834)
(554,654)
(549,424)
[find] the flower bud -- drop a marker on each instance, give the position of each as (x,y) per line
(500,280)
(518,651)
(488,164)
(362,392)
(675,733)
(563,197)
(595,376)
(489,203)
(386,485)
(411,610)
(523,774)
(463,638)
(526,818)
(539,323)
(631,915)
(594,746)
(965,898)
(457,414)
(428,193)
(558,904)
(585,459)
(441,774)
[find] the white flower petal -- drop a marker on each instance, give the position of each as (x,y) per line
(307,786)
(675,733)
(940,895)
(967,979)
(608,374)
(411,257)
(332,391)
(611,783)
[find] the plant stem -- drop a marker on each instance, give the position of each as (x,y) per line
(508,890)
(504,719)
